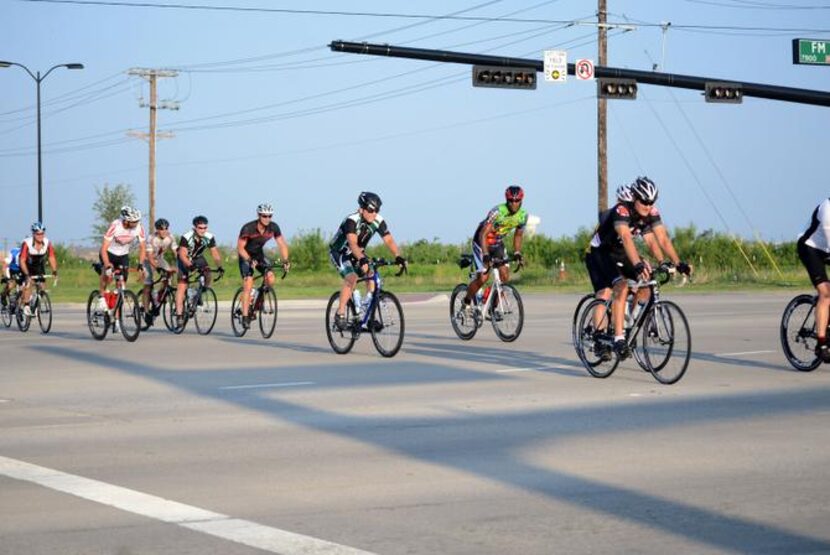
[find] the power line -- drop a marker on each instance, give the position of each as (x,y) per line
(404,16)
(751,5)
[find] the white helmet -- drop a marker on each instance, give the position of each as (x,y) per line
(130,214)
(265,209)
(624,194)
(644,190)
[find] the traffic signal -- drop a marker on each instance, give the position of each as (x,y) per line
(724,92)
(504,77)
(617,88)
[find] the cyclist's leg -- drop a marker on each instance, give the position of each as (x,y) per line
(481,273)
(181,288)
(345,265)
(148,285)
(814,261)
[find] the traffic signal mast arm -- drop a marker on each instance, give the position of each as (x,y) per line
(758,90)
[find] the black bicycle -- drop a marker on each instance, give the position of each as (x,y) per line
(200,302)
(500,303)
(382,316)
(798,333)
(262,305)
(660,327)
(40,307)
(115,309)
(162,303)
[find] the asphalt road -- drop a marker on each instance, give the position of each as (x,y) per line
(190,444)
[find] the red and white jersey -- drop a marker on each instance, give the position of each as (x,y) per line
(30,249)
(122,238)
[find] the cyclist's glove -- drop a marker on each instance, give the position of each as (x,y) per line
(362,261)
(639,268)
(486,259)
(286,266)
(400,261)
(518,258)
(684,268)
(666,266)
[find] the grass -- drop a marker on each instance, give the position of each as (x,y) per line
(76,281)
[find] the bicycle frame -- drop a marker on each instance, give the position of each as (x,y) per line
(495,288)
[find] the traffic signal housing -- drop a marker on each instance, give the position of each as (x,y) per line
(504,77)
(731,93)
(617,88)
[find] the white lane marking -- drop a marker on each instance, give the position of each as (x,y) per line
(222,526)
(743,353)
(263,385)
(514,369)
(5,400)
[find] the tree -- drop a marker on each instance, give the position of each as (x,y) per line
(108,206)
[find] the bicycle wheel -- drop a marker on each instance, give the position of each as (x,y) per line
(129,316)
(168,310)
(463,321)
(577,313)
(595,341)
(97,319)
(508,315)
(187,309)
(667,347)
(268,312)
(6,311)
(44,311)
(387,324)
(205,311)
(341,341)
(23,321)
(798,333)
(236,314)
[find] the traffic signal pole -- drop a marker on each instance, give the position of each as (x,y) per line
(692,82)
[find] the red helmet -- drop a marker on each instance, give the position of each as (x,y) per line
(514,192)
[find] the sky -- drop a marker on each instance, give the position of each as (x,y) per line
(267,113)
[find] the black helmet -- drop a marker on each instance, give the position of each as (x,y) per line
(161,223)
(644,190)
(369,201)
(199,220)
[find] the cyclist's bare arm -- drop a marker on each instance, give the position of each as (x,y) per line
(482,238)
(390,243)
(665,243)
(104,256)
(624,231)
(241,243)
(653,245)
(217,256)
(518,235)
(283,246)
(183,257)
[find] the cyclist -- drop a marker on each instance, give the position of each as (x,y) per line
(249,246)
(347,249)
(115,249)
(191,257)
(613,258)
(488,239)
(813,250)
(11,274)
(33,254)
(158,244)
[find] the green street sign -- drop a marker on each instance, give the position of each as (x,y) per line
(813,52)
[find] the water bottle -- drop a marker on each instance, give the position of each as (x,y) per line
(486,293)
(254,293)
(629,321)
(356,300)
(479,297)
(191,295)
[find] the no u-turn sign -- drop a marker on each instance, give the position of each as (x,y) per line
(584,69)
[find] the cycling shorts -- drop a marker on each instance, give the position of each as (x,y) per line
(344,262)
(198,263)
(496,250)
(815,260)
(118,261)
(246,269)
(606,267)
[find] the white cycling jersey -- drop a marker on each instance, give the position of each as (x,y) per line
(122,238)
(818,232)
(158,246)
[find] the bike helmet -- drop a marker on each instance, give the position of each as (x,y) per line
(265,209)
(624,193)
(199,220)
(37,227)
(514,192)
(369,201)
(130,214)
(161,223)
(644,190)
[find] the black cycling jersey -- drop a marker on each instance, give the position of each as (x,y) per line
(606,236)
(360,227)
(256,240)
(195,245)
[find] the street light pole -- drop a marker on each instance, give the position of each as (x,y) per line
(38,79)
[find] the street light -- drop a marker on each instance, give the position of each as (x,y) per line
(38,78)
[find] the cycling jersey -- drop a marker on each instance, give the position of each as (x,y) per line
(158,246)
(503,223)
(13,260)
(195,245)
(606,236)
(256,240)
(35,256)
(122,238)
(817,234)
(360,227)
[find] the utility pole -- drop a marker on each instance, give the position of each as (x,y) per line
(602,142)
(152,76)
